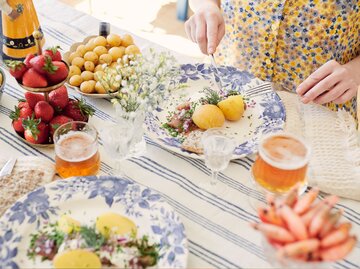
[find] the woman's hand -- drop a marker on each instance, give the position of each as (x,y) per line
(206,28)
(332,82)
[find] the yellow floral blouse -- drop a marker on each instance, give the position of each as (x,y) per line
(286,40)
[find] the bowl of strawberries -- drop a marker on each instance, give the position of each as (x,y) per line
(40,73)
(35,119)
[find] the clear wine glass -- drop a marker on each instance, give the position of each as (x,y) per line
(218,150)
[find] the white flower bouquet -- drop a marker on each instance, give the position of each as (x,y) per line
(141,82)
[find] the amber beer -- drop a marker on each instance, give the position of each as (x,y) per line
(76,150)
(281,163)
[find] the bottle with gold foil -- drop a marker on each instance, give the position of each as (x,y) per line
(19,21)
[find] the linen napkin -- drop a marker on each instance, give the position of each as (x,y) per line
(335,162)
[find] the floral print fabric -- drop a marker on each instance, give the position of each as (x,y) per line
(284,41)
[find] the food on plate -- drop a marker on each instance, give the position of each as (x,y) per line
(40,71)
(110,242)
(233,107)
(36,119)
(94,56)
(208,116)
(109,223)
(190,118)
(192,142)
(303,229)
(78,258)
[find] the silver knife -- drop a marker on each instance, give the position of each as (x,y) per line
(8,167)
(214,65)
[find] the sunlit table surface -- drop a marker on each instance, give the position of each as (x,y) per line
(217,226)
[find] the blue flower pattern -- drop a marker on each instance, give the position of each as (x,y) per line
(136,199)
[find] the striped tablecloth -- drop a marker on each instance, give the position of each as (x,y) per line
(217,225)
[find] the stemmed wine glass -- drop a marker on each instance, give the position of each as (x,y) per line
(218,150)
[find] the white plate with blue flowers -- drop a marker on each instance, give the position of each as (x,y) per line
(264,114)
(85,198)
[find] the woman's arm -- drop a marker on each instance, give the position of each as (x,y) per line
(332,82)
(206,27)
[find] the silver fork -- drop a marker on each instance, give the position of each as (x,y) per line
(215,67)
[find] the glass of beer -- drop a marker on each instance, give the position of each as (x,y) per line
(76,150)
(281,163)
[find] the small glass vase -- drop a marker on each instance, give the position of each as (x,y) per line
(123,137)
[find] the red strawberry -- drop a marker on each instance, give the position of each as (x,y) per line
(26,112)
(78,110)
(56,122)
(33,79)
(61,72)
(59,98)
(42,64)
(44,111)
(33,98)
(36,131)
(23,104)
(17,120)
(27,60)
(53,53)
(16,68)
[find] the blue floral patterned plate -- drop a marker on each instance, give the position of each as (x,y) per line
(265,113)
(85,198)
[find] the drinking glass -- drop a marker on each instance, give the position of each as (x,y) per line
(281,164)
(218,150)
(124,137)
(76,150)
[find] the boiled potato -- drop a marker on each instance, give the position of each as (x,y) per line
(127,40)
(89,66)
(98,75)
(87,75)
(99,88)
(99,67)
(100,50)
(73,55)
(74,70)
(111,223)
(67,224)
(113,40)
(232,107)
(208,116)
(91,56)
(117,52)
(88,86)
(78,61)
(90,45)
(77,258)
(81,49)
(113,64)
(100,41)
(132,50)
(105,59)
(76,80)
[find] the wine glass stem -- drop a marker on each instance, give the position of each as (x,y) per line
(214,177)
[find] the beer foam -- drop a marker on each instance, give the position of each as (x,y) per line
(284,151)
(75,147)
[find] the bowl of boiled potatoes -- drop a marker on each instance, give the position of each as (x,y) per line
(88,59)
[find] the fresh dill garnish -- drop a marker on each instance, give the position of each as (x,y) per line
(92,238)
(149,254)
(211,97)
